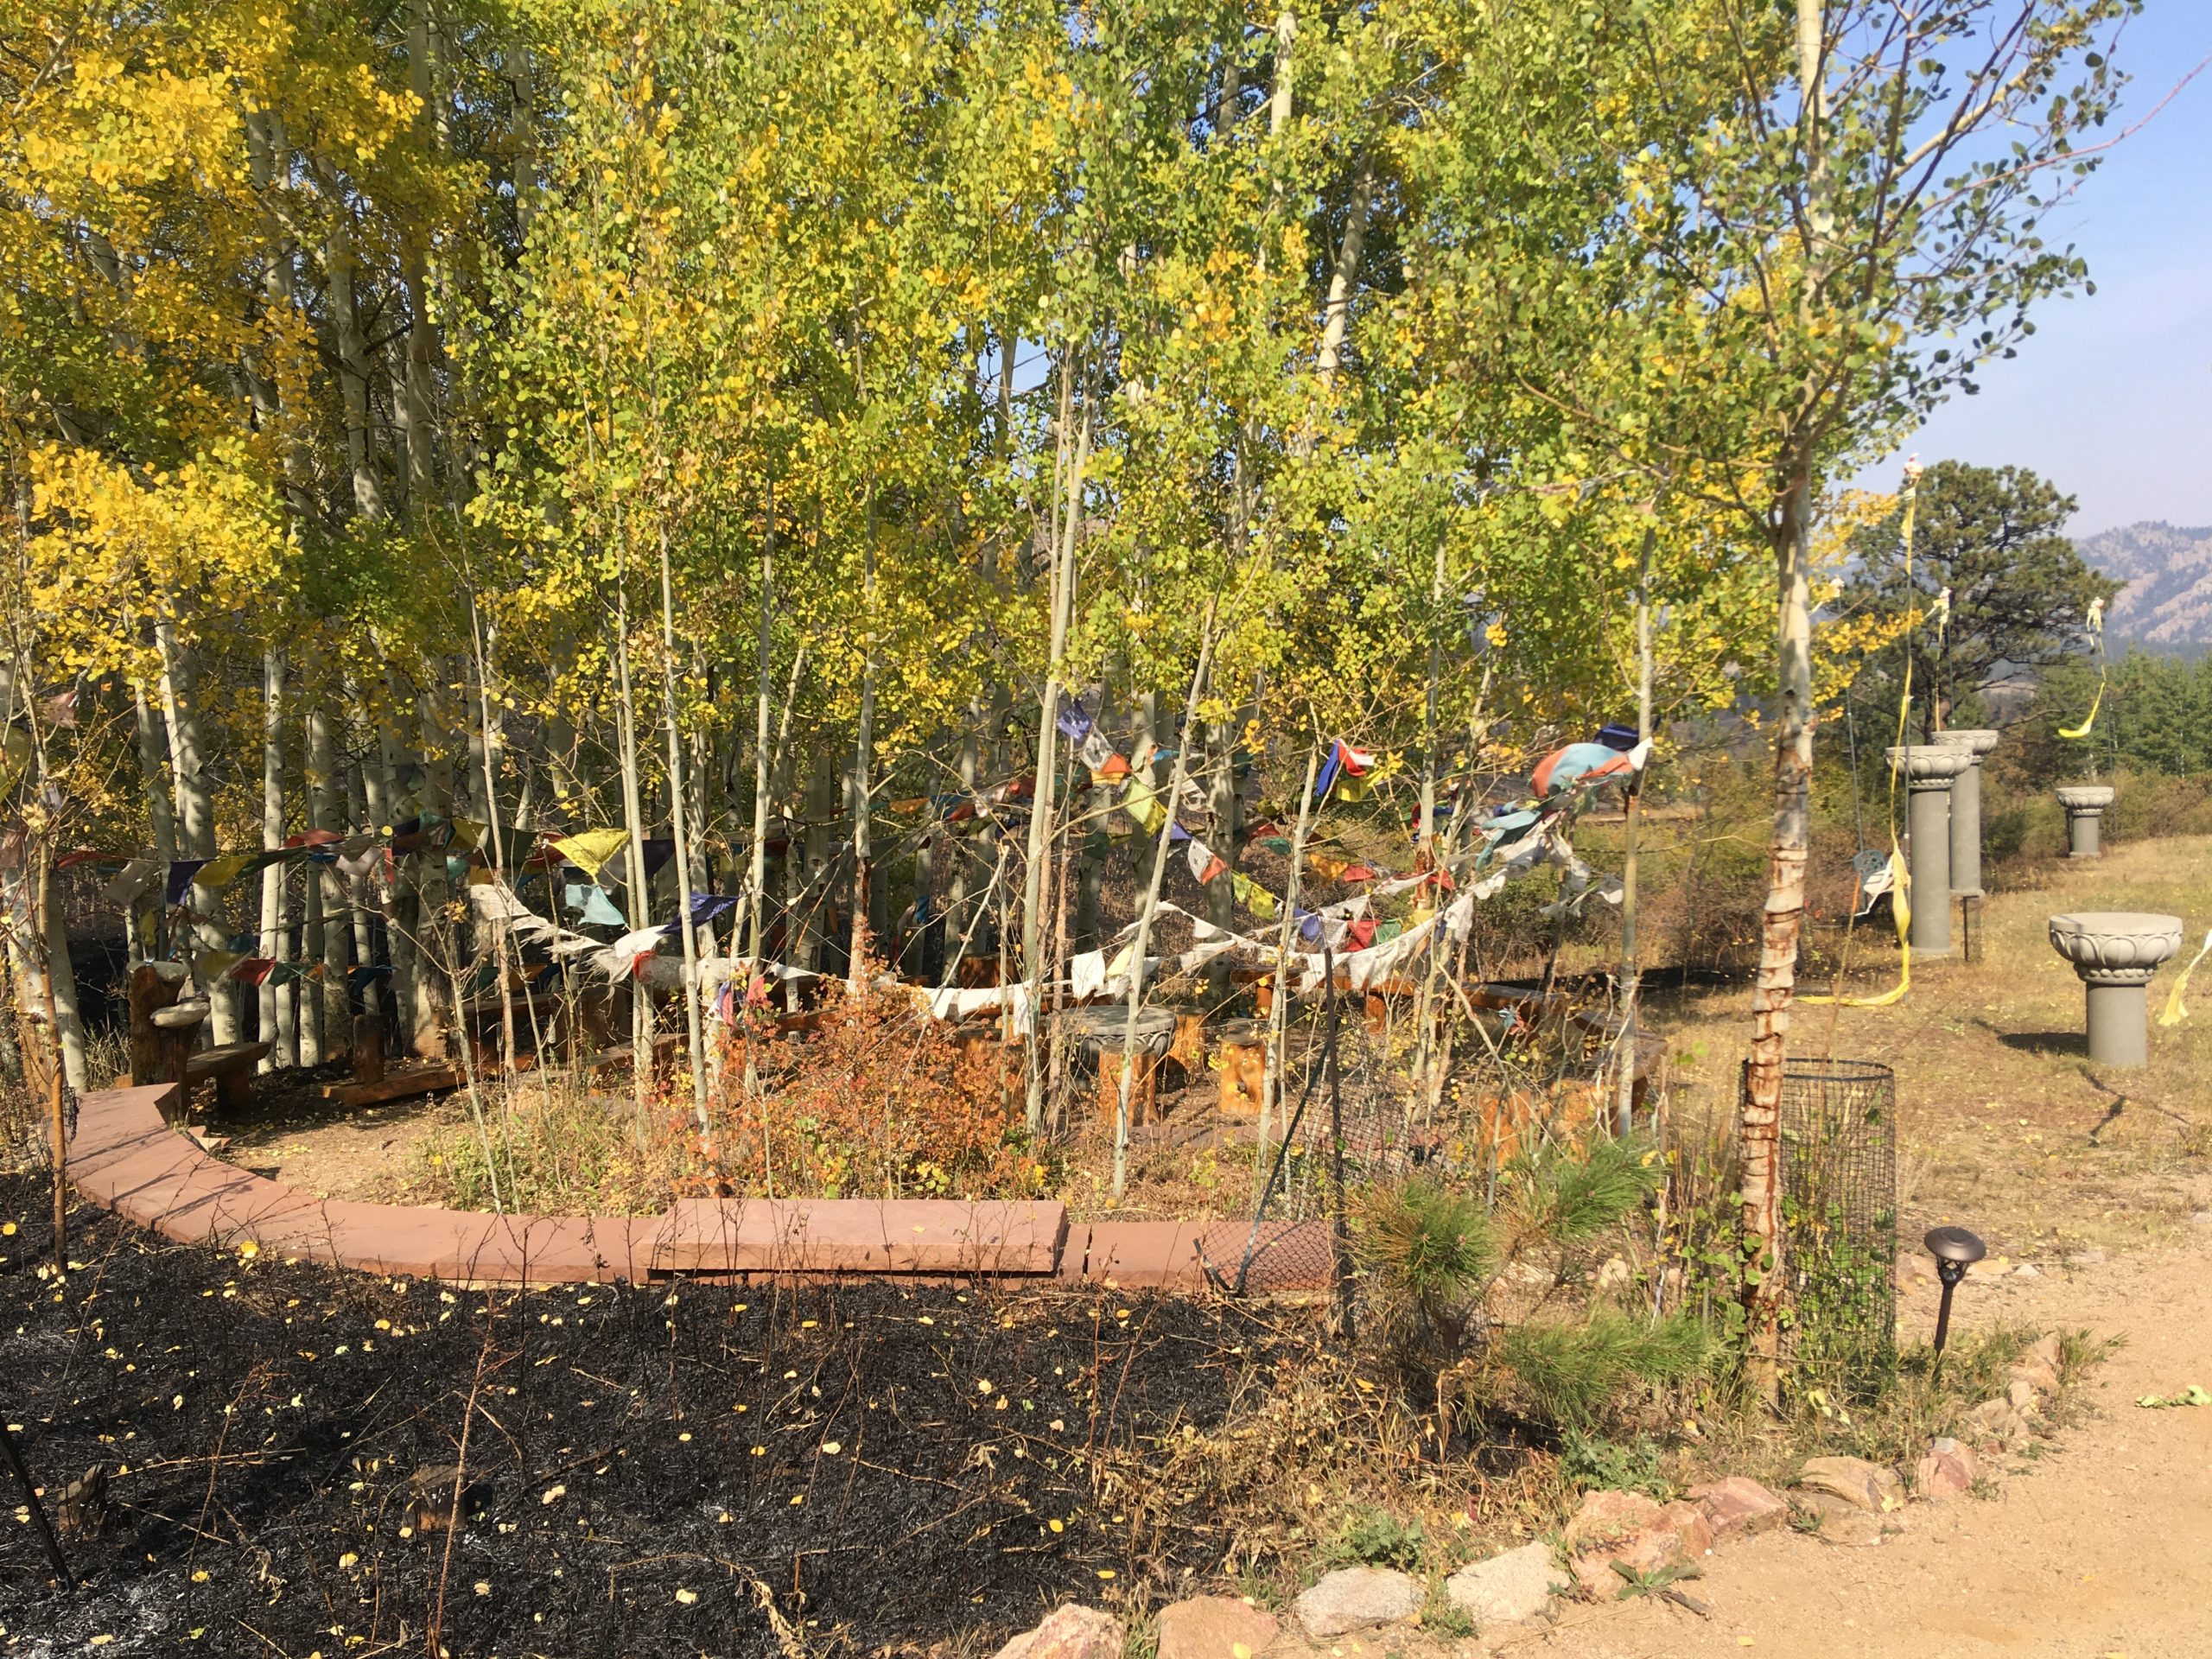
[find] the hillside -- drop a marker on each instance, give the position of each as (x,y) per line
(2168,568)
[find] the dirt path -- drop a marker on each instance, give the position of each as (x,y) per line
(2101,1547)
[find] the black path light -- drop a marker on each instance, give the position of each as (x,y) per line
(14,1461)
(1954,1249)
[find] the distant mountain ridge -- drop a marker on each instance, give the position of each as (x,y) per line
(2167,603)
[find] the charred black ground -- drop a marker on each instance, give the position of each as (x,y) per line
(649,1470)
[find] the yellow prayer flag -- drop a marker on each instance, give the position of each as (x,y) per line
(591,851)
(1142,805)
(219,873)
(467,836)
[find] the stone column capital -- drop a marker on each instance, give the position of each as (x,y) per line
(1978,739)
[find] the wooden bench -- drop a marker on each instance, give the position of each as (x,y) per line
(231,1067)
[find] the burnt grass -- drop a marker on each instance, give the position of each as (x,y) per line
(669,1469)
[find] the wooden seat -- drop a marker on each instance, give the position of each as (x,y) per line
(231,1067)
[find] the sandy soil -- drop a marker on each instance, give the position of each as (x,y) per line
(2104,1548)
(2099,1549)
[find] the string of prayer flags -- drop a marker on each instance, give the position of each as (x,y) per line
(181,871)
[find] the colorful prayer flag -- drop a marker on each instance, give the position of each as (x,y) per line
(590,851)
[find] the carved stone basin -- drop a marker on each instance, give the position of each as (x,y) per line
(2084,798)
(2116,952)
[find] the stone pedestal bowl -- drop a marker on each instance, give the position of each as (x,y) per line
(2116,952)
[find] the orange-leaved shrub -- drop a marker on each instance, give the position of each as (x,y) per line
(873,1100)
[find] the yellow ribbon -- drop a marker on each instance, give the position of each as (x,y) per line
(2173,1013)
(2095,702)
(2096,627)
(1900,878)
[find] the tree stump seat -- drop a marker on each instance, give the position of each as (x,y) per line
(230,1066)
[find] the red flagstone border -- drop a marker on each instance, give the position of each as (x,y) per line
(125,1157)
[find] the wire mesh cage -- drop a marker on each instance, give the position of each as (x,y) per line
(1839,1221)
(1343,1125)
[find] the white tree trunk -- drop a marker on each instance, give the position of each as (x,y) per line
(279,1006)
(196,817)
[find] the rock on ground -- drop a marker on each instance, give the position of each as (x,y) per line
(1844,1524)
(1069,1631)
(2037,1368)
(1214,1627)
(1738,1507)
(1863,1486)
(1353,1598)
(1947,1471)
(1503,1590)
(1605,1517)
(1676,1534)
(1996,1425)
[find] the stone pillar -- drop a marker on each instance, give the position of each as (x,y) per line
(1966,810)
(1928,770)
(2116,952)
(2085,806)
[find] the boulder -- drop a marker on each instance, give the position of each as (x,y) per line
(1214,1627)
(1947,1471)
(1738,1507)
(1069,1631)
(1863,1486)
(1605,1517)
(1354,1597)
(1503,1590)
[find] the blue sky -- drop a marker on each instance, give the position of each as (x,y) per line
(2111,400)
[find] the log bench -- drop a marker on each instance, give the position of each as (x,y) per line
(231,1067)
